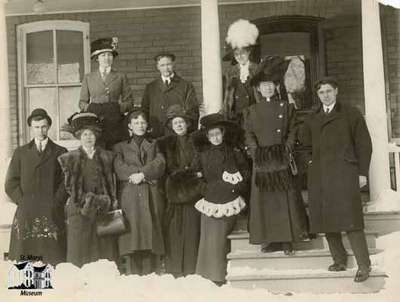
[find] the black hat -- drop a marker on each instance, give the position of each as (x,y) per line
(39,113)
(270,69)
(177,111)
(214,120)
(164,54)
(103,45)
(83,120)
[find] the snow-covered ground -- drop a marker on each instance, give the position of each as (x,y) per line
(101,281)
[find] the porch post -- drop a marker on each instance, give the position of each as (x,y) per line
(375,100)
(211,56)
(7,208)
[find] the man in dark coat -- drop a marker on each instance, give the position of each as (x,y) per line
(34,183)
(341,154)
(169,89)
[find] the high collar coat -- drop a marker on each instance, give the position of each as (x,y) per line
(34,182)
(143,204)
(341,151)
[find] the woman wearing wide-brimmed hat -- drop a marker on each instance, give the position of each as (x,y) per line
(277,214)
(106,92)
(241,42)
(183,190)
(89,181)
(226,173)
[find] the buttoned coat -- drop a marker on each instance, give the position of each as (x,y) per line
(143,204)
(277,213)
(34,182)
(158,97)
(109,99)
(341,151)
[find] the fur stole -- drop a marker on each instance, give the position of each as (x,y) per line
(72,163)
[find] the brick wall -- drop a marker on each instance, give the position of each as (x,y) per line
(391,41)
(143,33)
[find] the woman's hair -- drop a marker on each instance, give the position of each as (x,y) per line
(135,114)
(96,131)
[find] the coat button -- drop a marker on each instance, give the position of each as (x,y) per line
(162,107)
(278,130)
(281,104)
(247,96)
(280,116)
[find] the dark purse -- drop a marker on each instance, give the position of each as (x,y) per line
(112,223)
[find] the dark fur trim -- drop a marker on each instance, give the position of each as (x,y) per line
(271,153)
(274,181)
(71,164)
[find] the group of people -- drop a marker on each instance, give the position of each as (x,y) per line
(181,182)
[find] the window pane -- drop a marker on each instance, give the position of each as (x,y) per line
(69,56)
(40,66)
(69,100)
(44,98)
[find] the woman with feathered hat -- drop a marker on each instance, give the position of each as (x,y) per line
(226,175)
(183,190)
(241,43)
(89,182)
(106,92)
(277,215)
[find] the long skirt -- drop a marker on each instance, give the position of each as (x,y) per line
(277,216)
(83,243)
(182,235)
(214,247)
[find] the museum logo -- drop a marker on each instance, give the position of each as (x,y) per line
(30,278)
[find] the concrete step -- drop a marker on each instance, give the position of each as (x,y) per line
(312,259)
(305,281)
(382,222)
(240,242)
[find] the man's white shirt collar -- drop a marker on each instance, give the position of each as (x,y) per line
(330,107)
(168,79)
(89,151)
(41,145)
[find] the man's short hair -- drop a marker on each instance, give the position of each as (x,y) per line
(136,113)
(325,80)
(161,55)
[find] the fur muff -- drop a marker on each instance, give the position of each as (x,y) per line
(72,163)
(182,184)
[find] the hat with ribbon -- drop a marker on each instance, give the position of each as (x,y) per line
(104,45)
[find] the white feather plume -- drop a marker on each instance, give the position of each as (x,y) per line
(242,33)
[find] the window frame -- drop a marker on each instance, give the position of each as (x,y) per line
(23,103)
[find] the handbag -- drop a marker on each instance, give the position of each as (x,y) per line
(112,223)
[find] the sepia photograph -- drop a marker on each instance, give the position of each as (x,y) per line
(200,150)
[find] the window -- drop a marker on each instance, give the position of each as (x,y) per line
(53,56)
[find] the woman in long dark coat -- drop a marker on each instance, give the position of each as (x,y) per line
(183,189)
(106,92)
(89,181)
(226,174)
(140,165)
(277,214)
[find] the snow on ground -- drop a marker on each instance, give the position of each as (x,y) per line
(101,281)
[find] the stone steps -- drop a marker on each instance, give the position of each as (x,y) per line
(305,281)
(240,242)
(309,259)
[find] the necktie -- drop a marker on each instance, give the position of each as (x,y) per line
(40,149)
(167,81)
(327,110)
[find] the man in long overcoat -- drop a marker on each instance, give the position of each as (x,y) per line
(341,154)
(167,90)
(34,183)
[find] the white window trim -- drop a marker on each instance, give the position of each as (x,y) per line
(22,31)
